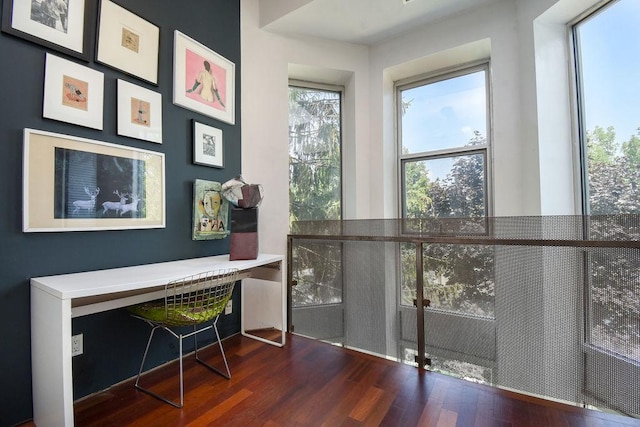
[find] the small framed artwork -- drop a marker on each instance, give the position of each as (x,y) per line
(78,184)
(73,93)
(203,81)
(210,211)
(139,112)
(207,145)
(61,25)
(127,42)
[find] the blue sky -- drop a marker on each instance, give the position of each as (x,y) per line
(610,53)
(445,114)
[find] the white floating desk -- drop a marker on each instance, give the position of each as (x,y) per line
(55,300)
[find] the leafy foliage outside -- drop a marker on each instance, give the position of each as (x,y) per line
(614,172)
(315,183)
(613,178)
(457,278)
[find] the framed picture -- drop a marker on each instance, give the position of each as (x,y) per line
(77,184)
(73,93)
(128,42)
(203,81)
(207,145)
(139,112)
(60,25)
(210,211)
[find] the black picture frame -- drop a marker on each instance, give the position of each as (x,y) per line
(208,145)
(81,35)
(140,57)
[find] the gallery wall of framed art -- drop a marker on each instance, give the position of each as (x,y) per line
(47,53)
(203,81)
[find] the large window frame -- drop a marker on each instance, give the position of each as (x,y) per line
(602,364)
(484,150)
(454,318)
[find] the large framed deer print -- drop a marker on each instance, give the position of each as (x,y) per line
(78,184)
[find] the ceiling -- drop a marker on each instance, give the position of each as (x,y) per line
(357,21)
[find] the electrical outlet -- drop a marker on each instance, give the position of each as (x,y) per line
(76,345)
(229,308)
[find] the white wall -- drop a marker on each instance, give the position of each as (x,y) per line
(533,143)
(395,59)
(267,60)
(533,153)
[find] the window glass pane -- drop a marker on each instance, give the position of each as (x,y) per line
(457,278)
(465,370)
(444,114)
(460,278)
(615,302)
(314,154)
(315,184)
(447,187)
(609,59)
(317,267)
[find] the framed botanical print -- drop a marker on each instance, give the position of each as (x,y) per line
(139,112)
(73,93)
(203,81)
(127,42)
(61,25)
(207,145)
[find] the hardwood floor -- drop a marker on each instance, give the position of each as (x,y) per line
(308,383)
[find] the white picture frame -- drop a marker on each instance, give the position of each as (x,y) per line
(127,42)
(208,146)
(73,93)
(139,112)
(66,31)
(78,184)
(214,93)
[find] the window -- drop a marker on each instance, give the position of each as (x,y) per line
(607,63)
(443,124)
(315,188)
(443,163)
(607,60)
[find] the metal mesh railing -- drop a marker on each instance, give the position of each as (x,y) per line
(544,305)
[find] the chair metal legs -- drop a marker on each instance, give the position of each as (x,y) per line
(181,337)
(227,375)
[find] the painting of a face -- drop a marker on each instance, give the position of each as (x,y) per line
(212,202)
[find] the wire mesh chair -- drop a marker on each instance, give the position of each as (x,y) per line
(190,301)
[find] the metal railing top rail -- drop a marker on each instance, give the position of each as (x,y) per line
(614,231)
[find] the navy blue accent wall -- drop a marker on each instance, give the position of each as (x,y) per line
(113,341)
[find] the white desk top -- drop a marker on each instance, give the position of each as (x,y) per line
(101,282)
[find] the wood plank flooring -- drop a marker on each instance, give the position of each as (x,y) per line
(308,383)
